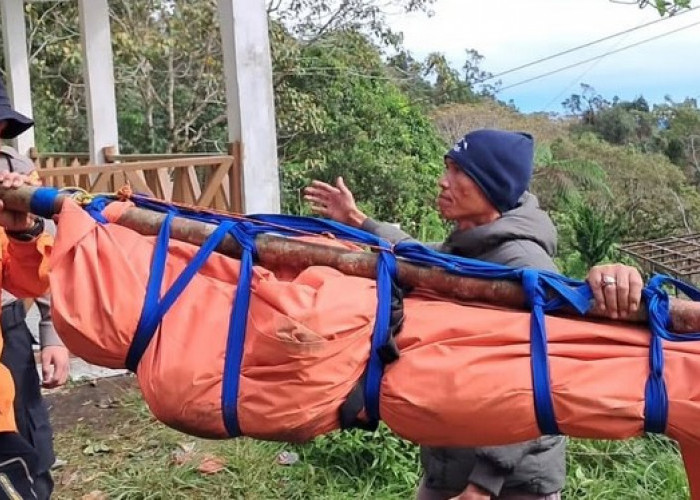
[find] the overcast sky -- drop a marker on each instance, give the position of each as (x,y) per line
(509,33)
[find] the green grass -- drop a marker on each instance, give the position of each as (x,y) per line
(643,468)
(130,456)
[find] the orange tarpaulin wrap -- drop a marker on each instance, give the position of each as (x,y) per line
(463,377)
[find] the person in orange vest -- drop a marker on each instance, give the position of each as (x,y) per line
(31,412)
(23,271)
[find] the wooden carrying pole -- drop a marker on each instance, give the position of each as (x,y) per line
(275,252)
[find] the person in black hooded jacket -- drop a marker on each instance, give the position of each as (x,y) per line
(484,191)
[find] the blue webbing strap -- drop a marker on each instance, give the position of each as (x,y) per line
(539,361)
(95,207)
(286,225)
(43,201)
(153,309)
(148,321)
(236,334)
(386,275)
(657,300)
(655,394)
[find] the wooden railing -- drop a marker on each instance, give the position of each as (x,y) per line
(206,181)
(210,180)
(77,159)
(58,160)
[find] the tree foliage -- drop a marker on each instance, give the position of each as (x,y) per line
(594,232)
(368,132)
(670,128)
(653,194)
(666,6)
(453,120)
(560,182)
(310,20)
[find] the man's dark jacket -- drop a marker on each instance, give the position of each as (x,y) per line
(522,237)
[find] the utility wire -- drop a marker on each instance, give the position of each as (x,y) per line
(585,45)
(580,77)
(579,63)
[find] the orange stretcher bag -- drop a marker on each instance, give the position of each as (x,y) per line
(301,358)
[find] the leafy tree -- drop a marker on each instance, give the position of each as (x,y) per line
(311,20)
(560,182)
(616,125)
(586,105)
(680,135)
(617,122)
(435,82)
(56,73)
(385,148)
(639,104)
(595,232)
(653,194)
(666,6)
(448,86)
(170,63)
(454,120)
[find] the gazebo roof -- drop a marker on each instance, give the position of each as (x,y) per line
(678,256)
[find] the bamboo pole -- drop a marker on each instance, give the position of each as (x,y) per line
(275,252)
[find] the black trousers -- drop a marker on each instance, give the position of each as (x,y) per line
(31,413)
(17,467)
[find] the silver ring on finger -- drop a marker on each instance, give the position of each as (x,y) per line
(608,281)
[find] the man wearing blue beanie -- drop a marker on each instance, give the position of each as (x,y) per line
(484,192)
(499,162)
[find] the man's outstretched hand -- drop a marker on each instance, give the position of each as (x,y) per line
(335,202)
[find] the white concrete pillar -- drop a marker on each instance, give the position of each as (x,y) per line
(250,102)
(14,42)
(98,69)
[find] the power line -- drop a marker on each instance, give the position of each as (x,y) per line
(580,77)
(585,45)
(579,63)
(572,83)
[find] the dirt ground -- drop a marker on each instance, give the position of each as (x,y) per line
(88,401)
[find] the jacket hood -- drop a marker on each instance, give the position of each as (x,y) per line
(524,222)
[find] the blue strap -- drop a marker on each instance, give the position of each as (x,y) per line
(285,225)
(153,309)
(43,201)
(577,296)
(539,361)
(656,394)
(386,275)
(149,320)
(95,207)
(236,335)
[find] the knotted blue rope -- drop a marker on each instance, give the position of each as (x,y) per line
(657,300)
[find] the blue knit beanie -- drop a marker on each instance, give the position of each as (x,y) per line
(499,162)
